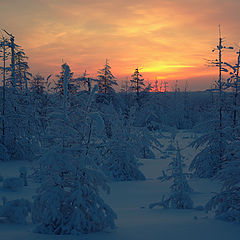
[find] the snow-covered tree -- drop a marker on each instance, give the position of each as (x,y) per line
(17,131)
(233,82)
(8,49)
(140,120)
(119,154)
(16,127)
(23,75)
(68,200)
(210,160)
(106,80)
(37,84)
(213,143)
(4,70)
(146,141)
(137,82)
(85,81)
(60,81)
(179,197)
(226,204)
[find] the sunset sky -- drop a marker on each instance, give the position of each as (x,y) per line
(168,40)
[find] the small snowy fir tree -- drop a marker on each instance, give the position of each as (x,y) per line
(106,80)
(179,197)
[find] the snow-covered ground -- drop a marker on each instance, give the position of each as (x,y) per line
(130,201)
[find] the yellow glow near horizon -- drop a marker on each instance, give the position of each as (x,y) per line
(165,68)
(169,39)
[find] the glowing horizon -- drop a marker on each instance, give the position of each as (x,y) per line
(167,39)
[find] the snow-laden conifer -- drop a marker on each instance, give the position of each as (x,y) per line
(146,141)
(59,88)
(68,200)
(226,203)
(137,82)
(179,196)
(213,147)
(120,159)
(211,159)
(106,79)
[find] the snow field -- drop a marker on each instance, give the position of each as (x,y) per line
(130,201)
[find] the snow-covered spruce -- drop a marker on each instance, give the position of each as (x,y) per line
(226,204)
(106,80)
(65,80)
(146,141)
(120,161)
(137,82)
(209,160)
(179,197)
(141,120)
(68,201)
(142,139)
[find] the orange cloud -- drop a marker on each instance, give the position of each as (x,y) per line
(169,39)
